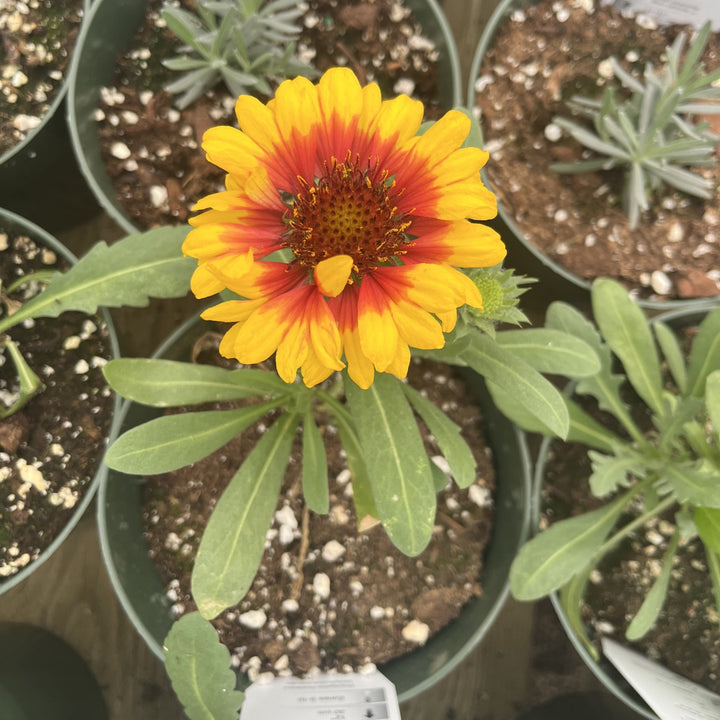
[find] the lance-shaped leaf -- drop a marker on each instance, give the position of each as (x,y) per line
(551,351)
(654,600)
(174,441)
(314,466)
(363,500)
(628,334)
(693,483)
(499,366)
(234,540)
(447,435)
(588,431)
(604,386)
(567,547)
(668,342)
(571,596)
(707,522)
(705,353)
(712,400)
(198,665)
(168,383)
(127,273)
(515,411)
(397,464)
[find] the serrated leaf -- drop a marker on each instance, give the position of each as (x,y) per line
(609,472)
(234,539)
(668,342)
(551,351)
(707,522)
(691,484)
(588,431)
(198,665)
(314,466)
(652,605)
(174,441)
(397,464)
(705,353)
(498,365)
(625,329)
(447,435)
(567,547)
(127,273)
(169,383)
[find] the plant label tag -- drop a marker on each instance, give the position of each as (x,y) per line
(351,696)
(683,12)
(670,695)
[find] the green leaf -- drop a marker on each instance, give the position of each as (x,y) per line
(712,400)
(314,466)
(362,492)
(571,596)
(515,411)
(609,472)
(691,483)
(713,559)
(707,522)
(705,354)
(169,383)
(588,431)
(628,334)
(551,351)
(198,665)
(540,397)
(397,464)
(567,547)
(447,435)
(654,600)
(127,273)
(174,441)
(668,342)
(234,540)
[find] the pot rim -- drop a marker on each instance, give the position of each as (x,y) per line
(13,221)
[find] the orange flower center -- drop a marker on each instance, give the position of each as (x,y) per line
(349,211)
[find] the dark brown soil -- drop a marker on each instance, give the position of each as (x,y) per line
(376,591)
(539,59)
(49,450)
(152,150)
(686,636)
(37,39)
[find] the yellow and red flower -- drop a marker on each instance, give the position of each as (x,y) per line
(341,228)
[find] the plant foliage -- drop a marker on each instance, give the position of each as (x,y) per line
(646,126)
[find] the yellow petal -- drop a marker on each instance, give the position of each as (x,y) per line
(230,149)
(401,362)
(378,332)
(332,275)
(292,352)
(203,282)
(417,327)
(360,369)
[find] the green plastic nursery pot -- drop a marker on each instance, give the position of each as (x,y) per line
(109,30)
(603,669)
(43,165)
(13,222)
(555,280)
(142,594)
(41,676)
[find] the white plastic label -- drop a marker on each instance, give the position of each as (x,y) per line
(671,696)
(683,12)
(324,697)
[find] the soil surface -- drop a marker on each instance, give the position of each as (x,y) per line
(326,595)
(686,636)
(152,149)
(50,449)
(539,59)
(37,38)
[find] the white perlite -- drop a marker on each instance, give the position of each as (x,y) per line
(120,151)
(416,632)
(321,586)
(332,551)
(253,619)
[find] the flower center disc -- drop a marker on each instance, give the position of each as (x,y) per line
(348,211)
